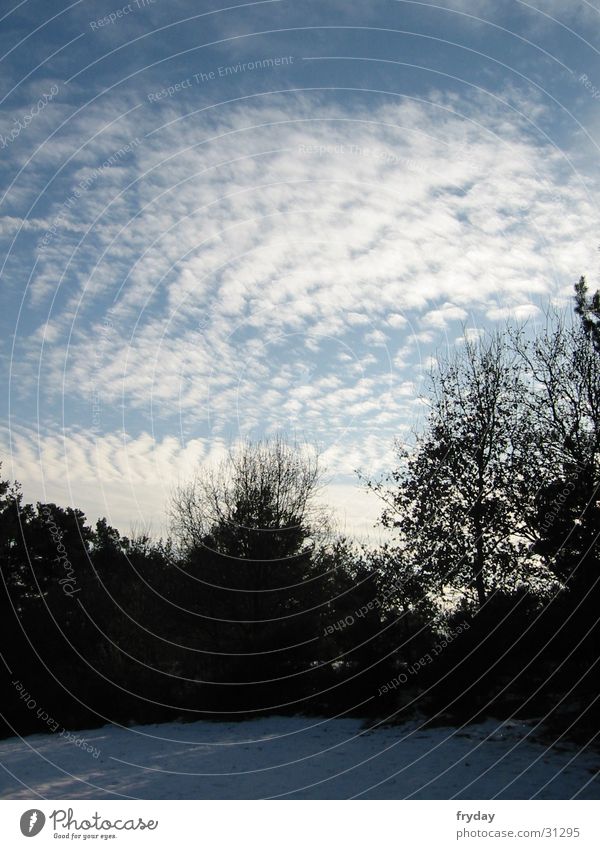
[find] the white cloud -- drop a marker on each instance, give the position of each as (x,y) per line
(395,320)
(131,480)
(260,283)
(520,312)
(446,313)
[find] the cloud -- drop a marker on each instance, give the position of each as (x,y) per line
(131,480)
(578,13)
(440,318)
(275,265)
(519,312)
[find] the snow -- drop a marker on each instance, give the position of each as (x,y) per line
(296,757)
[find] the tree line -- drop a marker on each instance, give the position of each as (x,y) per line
(483,600)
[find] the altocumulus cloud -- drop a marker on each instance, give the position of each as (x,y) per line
(279,264)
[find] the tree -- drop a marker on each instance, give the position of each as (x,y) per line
(248,532)
(452,501)
(564,403)
(259,504)
(588,309)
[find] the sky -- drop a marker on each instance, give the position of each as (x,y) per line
(221,222)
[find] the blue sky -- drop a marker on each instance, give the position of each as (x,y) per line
(218,223)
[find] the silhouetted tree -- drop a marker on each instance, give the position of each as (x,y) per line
(453,500)
(564,402)
(587,308)
(249,532)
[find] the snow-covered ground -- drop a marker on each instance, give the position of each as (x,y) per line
(296,757)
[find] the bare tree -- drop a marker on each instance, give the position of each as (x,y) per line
(565,371)
(259,503)
(453,500)
(247,531)
(564,402)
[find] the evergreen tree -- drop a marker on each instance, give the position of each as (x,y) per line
(588,309)
(249,533)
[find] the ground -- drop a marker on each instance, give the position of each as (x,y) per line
(297,757)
